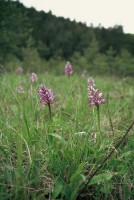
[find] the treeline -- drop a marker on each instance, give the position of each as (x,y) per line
(36,39)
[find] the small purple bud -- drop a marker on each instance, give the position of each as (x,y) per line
(34,77)
(20,89)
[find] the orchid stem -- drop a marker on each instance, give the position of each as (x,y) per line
(98,125)
(50,113)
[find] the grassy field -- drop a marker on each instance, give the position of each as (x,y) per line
(43,158)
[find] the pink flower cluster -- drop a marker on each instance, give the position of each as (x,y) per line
(34,77)
(95,97)
(68,69)
(46,95)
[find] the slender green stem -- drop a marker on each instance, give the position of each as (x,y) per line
(31,93)
(50,113)
(98,125)
(109,115)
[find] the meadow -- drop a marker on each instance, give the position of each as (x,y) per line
(59,157)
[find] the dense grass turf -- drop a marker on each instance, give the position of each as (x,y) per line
(51,159)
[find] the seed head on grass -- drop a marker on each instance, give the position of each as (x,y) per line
(34,77)
(68,69)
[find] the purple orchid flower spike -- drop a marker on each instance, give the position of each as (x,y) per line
(95,97)
(46,97)
(68,69)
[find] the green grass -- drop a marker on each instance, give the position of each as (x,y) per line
(44,159)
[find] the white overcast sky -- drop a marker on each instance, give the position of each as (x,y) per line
(106,12)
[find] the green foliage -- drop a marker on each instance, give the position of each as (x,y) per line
(69,191)
(105,181)
(15,28)
(34,39)
(43,159)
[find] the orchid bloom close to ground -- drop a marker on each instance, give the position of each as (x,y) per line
(68,69)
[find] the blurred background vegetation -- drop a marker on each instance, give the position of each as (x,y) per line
(40,41)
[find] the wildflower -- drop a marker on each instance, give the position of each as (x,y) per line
(68,69)
(34,77)
(19,70)
(95,97)
(46,95)
(20,89)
